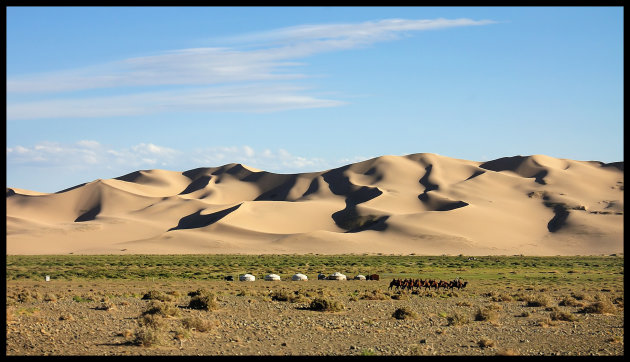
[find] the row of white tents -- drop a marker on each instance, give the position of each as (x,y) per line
(299,277)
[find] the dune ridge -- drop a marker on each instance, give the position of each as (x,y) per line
(420,203)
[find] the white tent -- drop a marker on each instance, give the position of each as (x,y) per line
(359,277)
(247,278)
(271,277)
(337,276)
(299,276)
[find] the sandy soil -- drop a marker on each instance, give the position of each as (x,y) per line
(248,322)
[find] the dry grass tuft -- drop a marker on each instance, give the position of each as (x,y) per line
(603,306)
(404,313)
(486,343)
(539,300)
(198,324)
(326,305)
(456,319)
(486,314)
(560,315)
(162,309)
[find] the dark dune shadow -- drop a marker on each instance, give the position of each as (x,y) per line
(196,220)
(451,206)
(559,219)
(90,214)
(198,184)
(195,173)
(279,193)
(71,188)
(475,174)
(313,187)
(10,192)
(504,163)
(348,218)
(539,177)
(617,165)
(130,177)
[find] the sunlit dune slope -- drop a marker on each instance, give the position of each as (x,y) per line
(421,203)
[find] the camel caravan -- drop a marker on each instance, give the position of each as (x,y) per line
(411,284)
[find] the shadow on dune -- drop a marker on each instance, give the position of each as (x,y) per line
(71,188)
(90,214)
(559,219)
(617,165)
(348,218)
(435,203)
(512,164)
(279,193)
(196,220)
(197,184)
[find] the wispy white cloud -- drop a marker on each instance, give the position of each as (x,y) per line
(90,154)
(214,78)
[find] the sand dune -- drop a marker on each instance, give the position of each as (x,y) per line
(421,203)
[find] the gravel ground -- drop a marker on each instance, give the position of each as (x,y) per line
(57,318)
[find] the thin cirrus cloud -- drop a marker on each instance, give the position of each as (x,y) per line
(89,155)
(217,78)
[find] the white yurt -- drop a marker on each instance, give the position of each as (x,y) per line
(337,276)
(299,276)
(247,278)
(359,277)
(272,277)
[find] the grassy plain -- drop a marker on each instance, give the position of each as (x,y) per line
(180,305)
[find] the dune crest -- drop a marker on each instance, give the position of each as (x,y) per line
(420,203)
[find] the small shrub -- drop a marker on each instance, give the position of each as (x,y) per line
(524,314)
(539,300)
(404,313)
(503,297)
(559,315)
(325,305)
(107,306)
(485,343)
(198,324)
(457,319)
(204,302)
(154,321)
(162,309)
(281,296)
(486,314)
(599,307)
(50,297)
(200,291)
(146,337)
(374,295)
(81,299)
(157,295)
(570,302)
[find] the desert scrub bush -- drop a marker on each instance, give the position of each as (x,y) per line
(560,315)
(486,314)
(374,295)
(463,303)
(544,322)
(197,292)
(147,337)
(281,296)
(524,314)
(404,313)
(203,302)
(50,297)
(457,318)
(162,309)
(569,301)
(486,343)
(107,306)
(154,321)
(325,305)
(399,296)
(539,300)
(603,306)
(502,297)
(196,323)
(157,295)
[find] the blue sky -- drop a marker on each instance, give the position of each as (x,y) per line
(97,92)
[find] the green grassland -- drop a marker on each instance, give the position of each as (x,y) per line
(527,269)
